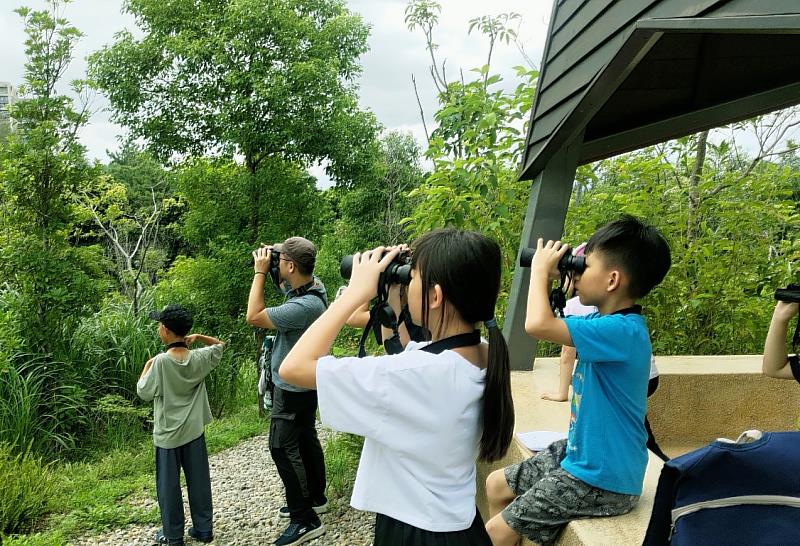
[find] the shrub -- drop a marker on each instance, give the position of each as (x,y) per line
(27,488)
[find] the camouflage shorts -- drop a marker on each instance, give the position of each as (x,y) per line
(549,497)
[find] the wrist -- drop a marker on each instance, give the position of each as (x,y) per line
(260,273)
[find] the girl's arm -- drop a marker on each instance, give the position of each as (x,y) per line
(775,363)
(300,365)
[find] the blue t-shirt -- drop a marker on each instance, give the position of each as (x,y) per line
(606,440)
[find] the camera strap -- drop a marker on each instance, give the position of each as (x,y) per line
(177,344)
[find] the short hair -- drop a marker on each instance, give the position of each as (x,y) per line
(639,249)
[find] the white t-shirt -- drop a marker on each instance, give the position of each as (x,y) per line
(574,307)
(420,414)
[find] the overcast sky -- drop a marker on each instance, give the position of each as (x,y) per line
(395,54)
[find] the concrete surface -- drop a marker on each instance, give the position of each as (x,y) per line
(700,398)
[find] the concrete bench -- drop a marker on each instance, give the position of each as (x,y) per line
(699,399)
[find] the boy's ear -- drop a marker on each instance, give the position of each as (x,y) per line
(615,280)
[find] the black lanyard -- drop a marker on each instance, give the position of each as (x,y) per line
(453,342)
(635,310)
(177,344)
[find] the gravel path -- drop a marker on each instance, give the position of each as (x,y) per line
(247,495)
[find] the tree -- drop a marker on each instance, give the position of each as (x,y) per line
(477,145)
(247,78)
(43,168)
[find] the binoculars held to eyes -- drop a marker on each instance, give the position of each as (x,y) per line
(398,272)
(568,262)
(790,294)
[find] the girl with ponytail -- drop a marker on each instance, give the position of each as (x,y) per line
(430,411)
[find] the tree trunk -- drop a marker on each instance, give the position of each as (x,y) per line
(255,199)
(692,216)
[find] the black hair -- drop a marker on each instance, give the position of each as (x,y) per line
(466,265)
(639,249)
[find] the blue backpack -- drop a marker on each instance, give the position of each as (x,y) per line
(745,492)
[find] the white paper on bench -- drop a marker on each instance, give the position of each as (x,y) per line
(538,440)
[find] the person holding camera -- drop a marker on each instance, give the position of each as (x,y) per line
(599,469)
(777,363)
(428,412)
(293,440)
(175,381)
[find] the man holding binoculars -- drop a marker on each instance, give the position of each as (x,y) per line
(293,440)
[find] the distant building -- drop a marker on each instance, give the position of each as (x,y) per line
(8,95)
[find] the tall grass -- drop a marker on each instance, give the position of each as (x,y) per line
(39,406)
(112,345)
(27,486)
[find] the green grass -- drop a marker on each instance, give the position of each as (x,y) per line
(95,496)
(342,452)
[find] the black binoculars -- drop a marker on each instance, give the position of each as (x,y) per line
(398,272)
(790,294)
(568,262)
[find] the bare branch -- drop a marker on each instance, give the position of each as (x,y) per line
(421,111)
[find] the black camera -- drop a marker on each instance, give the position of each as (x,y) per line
(397,272)
(274,264)
(790,294)
(568,262)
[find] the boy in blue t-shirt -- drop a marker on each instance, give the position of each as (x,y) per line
(599,469)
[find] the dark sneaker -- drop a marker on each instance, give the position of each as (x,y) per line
(201,537)
(321,509)
(298,533)
(161,540)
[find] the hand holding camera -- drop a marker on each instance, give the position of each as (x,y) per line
(262,259)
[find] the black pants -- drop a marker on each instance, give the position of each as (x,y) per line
(297,453)
(652,445)
(193,458)
(391,532)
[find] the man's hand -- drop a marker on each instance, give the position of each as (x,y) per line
(261,259)
(545,261)
(785,311)
(190,339)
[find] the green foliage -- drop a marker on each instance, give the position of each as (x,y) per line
(140,173)
(43,167)
(27,489)
(205,79)
(745,239)
(342,453)
(40,405)
(117,420)
(475,151)
(112,346)
(280,196)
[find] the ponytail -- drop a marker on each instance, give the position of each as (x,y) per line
(498,407)
(467,266)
